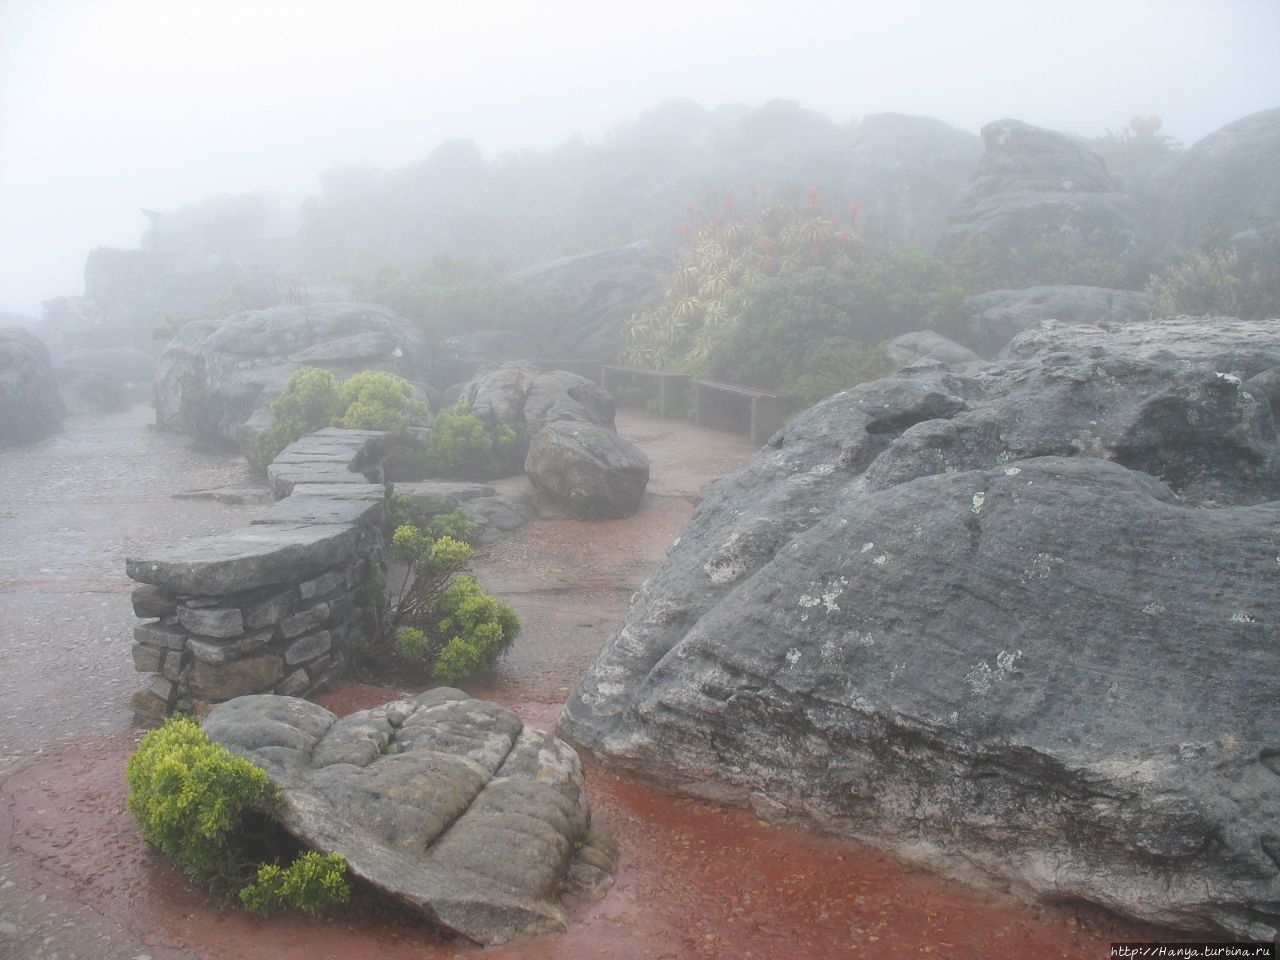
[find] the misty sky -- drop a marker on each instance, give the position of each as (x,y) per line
(107,106)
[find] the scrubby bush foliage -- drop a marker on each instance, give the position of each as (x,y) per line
(193,799)
(1218,281)
(313,399)
(444,623)
(463,447)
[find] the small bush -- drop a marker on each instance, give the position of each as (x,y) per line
(444,623)
(192,798)
(462,447)
(314,399)
(1219,282)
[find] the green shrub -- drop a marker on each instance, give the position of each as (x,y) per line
(192,798)
(314,399)
(311,883)
(378,401)
(445,623)
(456,524)
(463,447)
(1219,282)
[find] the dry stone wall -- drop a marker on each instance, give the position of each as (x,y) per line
(276,606)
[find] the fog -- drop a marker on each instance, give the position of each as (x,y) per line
(108,106)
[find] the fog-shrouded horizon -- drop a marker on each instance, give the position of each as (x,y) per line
(109,106)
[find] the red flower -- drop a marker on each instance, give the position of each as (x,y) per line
(729,201)
(691,207)
(815,253)
(682,229)
(855,209)
(812,194)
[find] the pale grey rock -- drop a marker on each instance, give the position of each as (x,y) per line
(497,393)
(30,407)
(245,559)
(997,316)
(560,395)
(212,621)
(1013,624)
(592,295)
(449,805)
(589,470)
(921,345)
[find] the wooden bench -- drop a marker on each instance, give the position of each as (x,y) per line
(670,388)
(737,409)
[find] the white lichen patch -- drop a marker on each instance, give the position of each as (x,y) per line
(868,547)
(1012,471)
(897,669)
(881,560)
(1229,378)
(1242,618)
(793,657)
(979,499)
(983,676)
(1041,568)
(1154,608)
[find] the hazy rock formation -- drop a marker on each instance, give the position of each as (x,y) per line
(560,395)
(1037,190)
(911,348)
(1229,182)
(215,374)
(30,407)
(590,296)
(449,805)
(1016,624)
(997,316)
(906,173)
(592,471)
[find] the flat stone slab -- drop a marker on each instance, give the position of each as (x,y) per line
(441,496)
(448,804)
(245,559)
(283,477)
(342,491)
(300,507)
(232,495)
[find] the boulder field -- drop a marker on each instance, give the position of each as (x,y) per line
(1016,623)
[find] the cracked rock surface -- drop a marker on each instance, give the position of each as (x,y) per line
(448,804)
(1017,624)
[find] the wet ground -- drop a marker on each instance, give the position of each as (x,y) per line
(695,880)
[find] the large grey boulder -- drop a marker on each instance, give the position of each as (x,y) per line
(911,348)
(561,395)
(497,393)
(997,316)
(215,374)
(592,471)
(449,805)
(30,408)
(906,173)
(1227,183)
(1014,624)
(589,297)
(1039,200)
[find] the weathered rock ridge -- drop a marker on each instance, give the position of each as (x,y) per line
(1015,624)
(30,407)
(447,804)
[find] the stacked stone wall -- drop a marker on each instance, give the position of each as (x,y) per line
(275,607)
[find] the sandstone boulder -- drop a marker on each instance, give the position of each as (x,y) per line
(447,804)
(1014,624)
(1039,200)
(997,316)
(591,296)
(560,395)
(215,374)
(30,408)
(590,470)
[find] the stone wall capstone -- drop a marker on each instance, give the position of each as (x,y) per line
(274,607)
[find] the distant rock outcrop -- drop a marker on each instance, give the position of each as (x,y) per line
(216,374)
(1039,197)
(997,316)
(906,173)
(30,407)
(1017,624)
(449,805)
(1226,183)
(589,297)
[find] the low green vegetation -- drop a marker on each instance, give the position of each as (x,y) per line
(206,810)
(444,624)
(1217,281)
(313,399)
(463,447)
